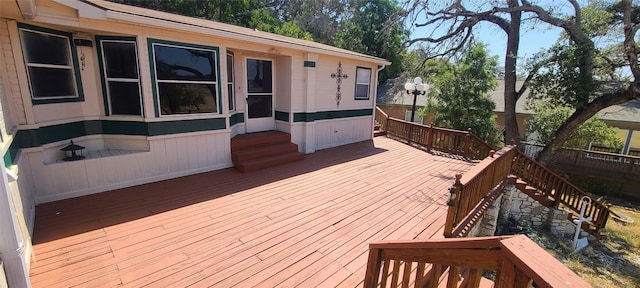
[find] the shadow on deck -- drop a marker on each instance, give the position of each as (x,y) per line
(303,224)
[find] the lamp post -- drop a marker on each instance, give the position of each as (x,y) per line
(416,88)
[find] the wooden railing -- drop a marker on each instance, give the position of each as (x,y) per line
(475,189)
(460,262)
(559,189)
(473,192)
(461,143)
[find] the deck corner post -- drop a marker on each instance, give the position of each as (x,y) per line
(373,268)
(452,210)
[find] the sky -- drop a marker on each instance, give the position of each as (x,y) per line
(532,39)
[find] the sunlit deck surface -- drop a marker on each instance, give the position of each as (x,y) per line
(304,224)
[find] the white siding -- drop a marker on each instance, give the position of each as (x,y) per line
(11,101)
(168,157)
(332,133)
(326,86)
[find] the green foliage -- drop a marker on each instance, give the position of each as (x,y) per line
(358,25)
(292,29)
(548,119)
(458,94)
(560,82)
(367,32)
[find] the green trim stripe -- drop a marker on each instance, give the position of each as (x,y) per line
(325,115)
(310,64)
(236,118)
(41,136)
(282,116)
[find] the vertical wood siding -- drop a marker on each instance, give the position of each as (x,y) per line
(168,157)
(332,133)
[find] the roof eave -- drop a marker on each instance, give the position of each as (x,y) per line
(142,19)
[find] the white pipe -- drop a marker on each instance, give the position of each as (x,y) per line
(586,201)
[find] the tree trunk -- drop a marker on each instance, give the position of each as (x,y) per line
(510,64)
(627,93)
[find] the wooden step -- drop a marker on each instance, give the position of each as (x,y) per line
(538,196)
(377,133)
(259,139)
(261,163)
(263,151)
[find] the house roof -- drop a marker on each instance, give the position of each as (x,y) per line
(392,92)
(150,17)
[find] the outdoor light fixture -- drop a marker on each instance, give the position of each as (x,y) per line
(416,88)
(72,152)
(452,196)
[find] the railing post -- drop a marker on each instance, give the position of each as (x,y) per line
(452,210)
(430,137)
(467,143)
(373,268)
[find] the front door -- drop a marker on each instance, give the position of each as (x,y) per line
(259,95)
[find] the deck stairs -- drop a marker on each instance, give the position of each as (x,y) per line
(377,131)
(254,151)
(549,201)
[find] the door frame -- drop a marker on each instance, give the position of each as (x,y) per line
(262,123)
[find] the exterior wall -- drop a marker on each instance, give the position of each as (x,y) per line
(16,201)
(13,109)
(168,157)
(304,95)
(331,133)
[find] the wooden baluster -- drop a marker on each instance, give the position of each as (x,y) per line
(385,274)
(436,272)
(454,277)
(406,274)
(475,275)
(395,277)
(420,275)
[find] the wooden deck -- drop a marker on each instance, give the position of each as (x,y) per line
(304,224)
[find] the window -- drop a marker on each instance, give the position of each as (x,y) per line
(363,80)
(120,74)
(51,65)
(186,78)
(230,82)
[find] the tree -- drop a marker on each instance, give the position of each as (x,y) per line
(453,25)
(458,94)
(370,29)
(549,117)
(573,66)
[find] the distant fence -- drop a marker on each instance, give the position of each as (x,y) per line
(621,172)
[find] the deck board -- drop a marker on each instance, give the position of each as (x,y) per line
(304,224)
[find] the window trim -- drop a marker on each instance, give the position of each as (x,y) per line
(154,79)
(103,73)
(75,67)
(232,98)
(355,94)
